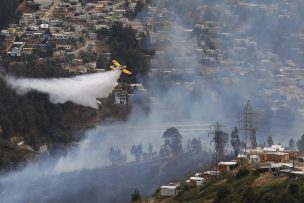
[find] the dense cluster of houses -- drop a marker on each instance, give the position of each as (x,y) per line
(67,29)
(231,54)
(275,159)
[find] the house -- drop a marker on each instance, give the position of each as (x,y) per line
(60,11)
(32,28)
(241,158)
(210,174)
(226,166)
(277,157)
(28,50)
(27,19)
(169,190)
(5,33)
(254,159)
(279,148)
(120,98)
(44,4)
(16,49)
(60,36)
(93,36)
(44,26)
(66,47)
(197,181)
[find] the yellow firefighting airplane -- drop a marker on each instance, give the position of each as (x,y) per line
(116,65)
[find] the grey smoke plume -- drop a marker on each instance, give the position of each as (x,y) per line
(82,90)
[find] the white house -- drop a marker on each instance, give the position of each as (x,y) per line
(16,49)
(226,166)
(169,190)
(197,181)
(44,26)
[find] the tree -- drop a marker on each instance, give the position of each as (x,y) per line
(269,141)
(235,141)
(291,144)
(173,140)
(300,144)
(194,146)
(135,196)
(138,8)
(253,139)
(137,151)
(7,127)
(197,145)
(8,11)
(164,151)
(189,146)
(116,157)
(150,148)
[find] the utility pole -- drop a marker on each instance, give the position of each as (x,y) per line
(247,125)
(218,136)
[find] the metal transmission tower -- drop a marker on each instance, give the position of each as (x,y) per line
(220,139)
(247,126)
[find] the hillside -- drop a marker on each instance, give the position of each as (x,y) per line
(241,186)
(113,184)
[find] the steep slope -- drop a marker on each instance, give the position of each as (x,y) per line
(243,186)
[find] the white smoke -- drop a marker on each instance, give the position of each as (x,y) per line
(82,90)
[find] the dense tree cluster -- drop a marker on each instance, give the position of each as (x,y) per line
(32,116)
(116,156)
(137,151)
(173,141)
(126,48)
(300,144)
(194,146)
(8,11)
(269,141)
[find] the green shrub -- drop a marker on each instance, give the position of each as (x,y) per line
(269,197)
(242,173)
(250,195)
(223,192)
(293,188)
(284,197)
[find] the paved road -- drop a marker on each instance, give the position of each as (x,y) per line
(49,13)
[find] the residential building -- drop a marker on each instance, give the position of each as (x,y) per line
(169,190)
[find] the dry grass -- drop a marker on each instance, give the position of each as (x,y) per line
(267,179)
(263,180)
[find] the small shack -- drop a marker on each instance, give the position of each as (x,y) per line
(226,166)
(196,181)
(169,190)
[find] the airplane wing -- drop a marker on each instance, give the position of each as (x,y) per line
(126,71)
(112,67)
(115,63)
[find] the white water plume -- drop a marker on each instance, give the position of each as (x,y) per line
(82,90)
